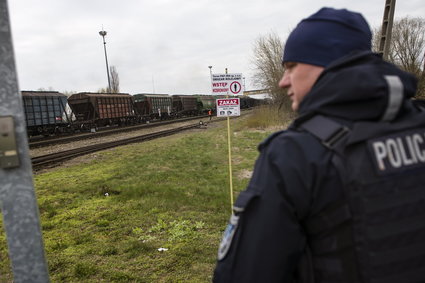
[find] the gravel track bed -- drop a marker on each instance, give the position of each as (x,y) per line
(91,141)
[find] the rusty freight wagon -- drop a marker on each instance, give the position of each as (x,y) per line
(185,105)
(153,106)
(45,112)
(93,110)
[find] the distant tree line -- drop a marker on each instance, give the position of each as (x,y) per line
(407,51)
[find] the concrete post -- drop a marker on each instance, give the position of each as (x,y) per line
(17,196)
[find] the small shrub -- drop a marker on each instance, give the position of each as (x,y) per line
(160,226)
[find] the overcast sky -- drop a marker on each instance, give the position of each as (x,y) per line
(157,46)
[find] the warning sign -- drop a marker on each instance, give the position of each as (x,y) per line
(223,84)
(235,87)
(227,107)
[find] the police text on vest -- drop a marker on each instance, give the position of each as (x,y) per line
(400,151)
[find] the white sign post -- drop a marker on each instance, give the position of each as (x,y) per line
(227,107)
(227,84)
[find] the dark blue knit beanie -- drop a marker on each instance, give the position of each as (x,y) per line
(326,36)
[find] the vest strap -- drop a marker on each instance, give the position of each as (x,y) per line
(326,130)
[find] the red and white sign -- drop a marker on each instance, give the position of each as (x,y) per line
(223,84)
(227,107)
(235,87)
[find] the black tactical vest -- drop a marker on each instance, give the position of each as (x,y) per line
(377,233)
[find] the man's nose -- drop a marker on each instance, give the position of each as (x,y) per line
(284,81)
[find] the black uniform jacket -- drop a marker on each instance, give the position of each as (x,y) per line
(293,177)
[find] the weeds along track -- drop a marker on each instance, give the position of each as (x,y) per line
(49,159)
(76,137)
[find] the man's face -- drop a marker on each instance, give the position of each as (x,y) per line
(298,79)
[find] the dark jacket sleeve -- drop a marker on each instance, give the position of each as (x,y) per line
(269,240)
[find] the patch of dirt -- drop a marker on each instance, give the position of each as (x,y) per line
(244,174)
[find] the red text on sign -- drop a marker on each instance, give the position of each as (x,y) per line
(219,84)
(227,102)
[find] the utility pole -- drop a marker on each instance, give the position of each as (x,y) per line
(387,26)
(210,67)
(103,34)
(17,195)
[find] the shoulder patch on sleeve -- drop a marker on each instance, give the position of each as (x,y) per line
(228,234)
(244,198)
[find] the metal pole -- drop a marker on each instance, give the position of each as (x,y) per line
(210,67)
(103,34)
(17,196)
(229,149)
(387,27)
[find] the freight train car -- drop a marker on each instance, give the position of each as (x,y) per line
(94,110)
(185,105)
(45,112)
(205,103)
(249,102)
(153,106)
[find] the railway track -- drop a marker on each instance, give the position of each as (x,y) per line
(59,140)
(54,158)
(57,157)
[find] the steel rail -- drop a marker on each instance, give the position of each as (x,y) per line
(59,140)
(43,160)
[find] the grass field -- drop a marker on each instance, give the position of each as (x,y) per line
(148,212)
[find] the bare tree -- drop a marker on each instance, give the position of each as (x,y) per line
(115,81)
(267,60)
(103,90)
(46,89)
(407,48)
(408,44)
(376,32)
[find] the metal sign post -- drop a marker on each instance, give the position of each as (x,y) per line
(228,107)
(17,195)
(387,27)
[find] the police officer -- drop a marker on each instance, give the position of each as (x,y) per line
(339,196)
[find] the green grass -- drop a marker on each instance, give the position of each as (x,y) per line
(266,117)
(171,193)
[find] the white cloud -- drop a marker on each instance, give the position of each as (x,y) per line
(166,45)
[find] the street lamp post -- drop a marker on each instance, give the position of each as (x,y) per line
(103,34)
(210,67)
